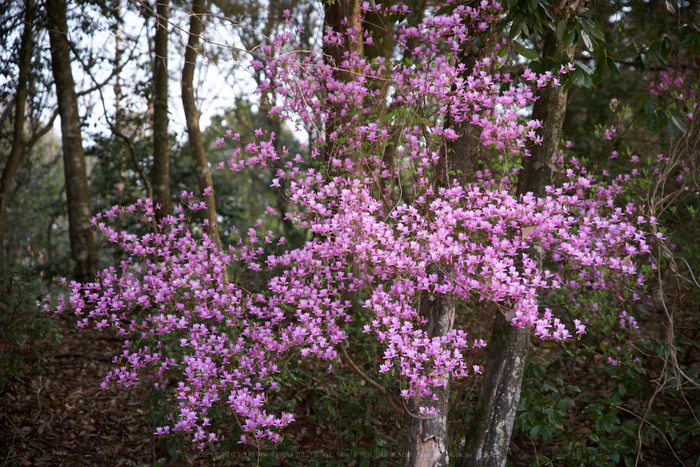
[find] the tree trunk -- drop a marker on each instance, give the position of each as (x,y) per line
(492,423)
(427,440)
(160,173)
(339,16)
(82,240)
(491,427)
(17,152)
(192,117)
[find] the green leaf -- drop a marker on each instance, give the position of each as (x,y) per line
(596,33)
(645,59)
(654,50)
(563,403)
(650,105)
(653,123)
(597,77)
(676,113)
(514,29)
(587,40)
(561,30)
(527,53)
(678,123)
(677,119)
(666,46)
(567,84)
(672,130)
(585,68)
(569,37)
(558,419)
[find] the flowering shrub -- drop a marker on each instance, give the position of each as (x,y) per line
(384,232)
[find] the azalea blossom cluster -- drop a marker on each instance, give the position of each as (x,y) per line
(381,226)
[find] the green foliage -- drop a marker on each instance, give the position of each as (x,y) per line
(36,215)
(25,328)
(594,424)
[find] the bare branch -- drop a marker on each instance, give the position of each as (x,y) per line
(378,386)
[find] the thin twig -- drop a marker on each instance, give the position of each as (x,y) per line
(653,426)
(378,386)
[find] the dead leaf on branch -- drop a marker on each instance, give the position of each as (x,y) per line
(527,231)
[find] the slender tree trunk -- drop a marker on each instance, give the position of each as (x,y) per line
(491,427)
(192,116)
(17,152)
(427,440)
(160,173)
(82,240)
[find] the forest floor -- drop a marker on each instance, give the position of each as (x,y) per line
(55,413)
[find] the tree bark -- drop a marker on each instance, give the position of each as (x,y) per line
(192,116)
(160,173)
(489,434)
(427,440)
(17,152)
(82,240)
(492,423)
(335,13)
(339,16)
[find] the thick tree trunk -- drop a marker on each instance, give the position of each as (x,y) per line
(17,152)
(82,240)
(160,173)
(427,440)
(192,116)
(491,427)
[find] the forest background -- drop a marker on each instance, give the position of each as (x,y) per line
(144,92)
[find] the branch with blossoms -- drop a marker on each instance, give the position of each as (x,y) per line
(373,241)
